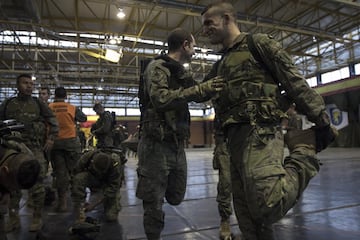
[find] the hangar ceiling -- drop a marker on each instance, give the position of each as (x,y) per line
(63,42)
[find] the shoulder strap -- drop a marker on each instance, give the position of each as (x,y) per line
(256,54)
(254,51)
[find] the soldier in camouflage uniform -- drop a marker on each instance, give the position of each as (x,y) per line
(102,128)
(36,116)
(67,149)
(256,70)
(18,169)
(100,169)
(164,94)
(221,162)
(44,94)
(120,133)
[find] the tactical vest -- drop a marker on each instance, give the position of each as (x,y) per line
(250,95)
(27,111)
(65,114)
(173,124)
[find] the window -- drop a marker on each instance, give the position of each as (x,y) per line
(357,69)
(196,112)
(133,112)
(335,75)
(312,81)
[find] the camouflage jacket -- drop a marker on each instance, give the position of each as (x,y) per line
(167,113)
(102,129)
(37,117)
(253,93)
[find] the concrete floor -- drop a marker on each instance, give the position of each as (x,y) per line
(329,209)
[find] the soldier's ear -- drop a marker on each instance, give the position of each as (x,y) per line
(4,171)
(226,18)
(185,44)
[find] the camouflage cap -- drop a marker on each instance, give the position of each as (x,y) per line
(101,162)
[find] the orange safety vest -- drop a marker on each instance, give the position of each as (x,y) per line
(65,114)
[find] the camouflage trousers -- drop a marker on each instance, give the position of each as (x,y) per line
(162,173)
(63,163)
(4,201)
(265,186)
(221,162)
(37,192)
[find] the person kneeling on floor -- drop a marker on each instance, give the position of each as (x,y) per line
(98,169)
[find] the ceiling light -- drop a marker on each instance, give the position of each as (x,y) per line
(121,14)
(113,41)
(204,49)
(112,55)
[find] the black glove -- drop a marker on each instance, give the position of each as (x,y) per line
(325,135)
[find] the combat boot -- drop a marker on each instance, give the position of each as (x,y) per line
(302,141)
(36,222)
(325,136)
(79,213)
(111,216)
(62,202)
(225,231)
(13,222)
(111,209)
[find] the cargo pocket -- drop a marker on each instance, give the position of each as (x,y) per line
(268,184)
(145,188)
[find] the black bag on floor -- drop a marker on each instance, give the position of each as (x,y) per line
(61,228)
